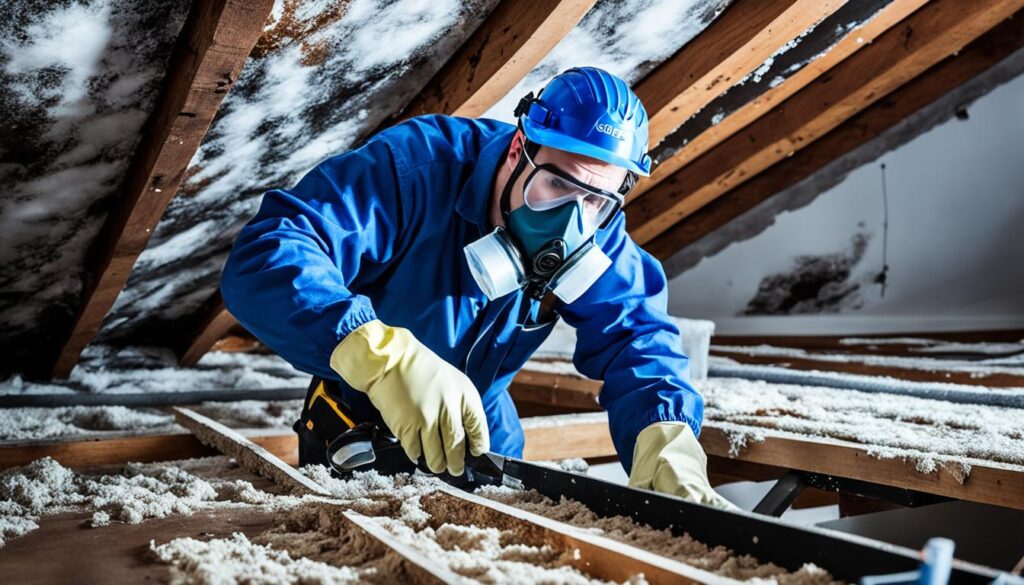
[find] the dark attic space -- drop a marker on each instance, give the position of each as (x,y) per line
(506,292)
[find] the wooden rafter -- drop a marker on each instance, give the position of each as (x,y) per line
(208,57)
(852,41)
(940,29)
(974,59)
(510,42)
(735,44)
(213,324)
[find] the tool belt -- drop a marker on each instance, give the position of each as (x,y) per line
(330,434)
(324,418)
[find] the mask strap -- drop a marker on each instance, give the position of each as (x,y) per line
(506,194)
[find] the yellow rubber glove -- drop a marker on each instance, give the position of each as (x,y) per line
(428,404)
(668,459)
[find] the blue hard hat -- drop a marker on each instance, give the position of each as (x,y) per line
(589,111)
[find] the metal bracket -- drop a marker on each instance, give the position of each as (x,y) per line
(786,490)
(781,496)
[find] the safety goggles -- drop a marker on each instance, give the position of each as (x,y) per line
(548,187)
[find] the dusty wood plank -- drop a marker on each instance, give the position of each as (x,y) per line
(853,41)
(938,30)
(988,484)
(143,449)
(117,553)
(509,43)
(736,43)
(248,454)
(565,441)
(208,57)
(555,390)
(587,441)
(597,556)
(977,57)
(213,324)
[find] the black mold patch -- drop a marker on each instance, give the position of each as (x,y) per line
(817,284)
(825,35)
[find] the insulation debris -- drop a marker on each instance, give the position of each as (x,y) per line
(152,369)
(21,424)
(139,492)
(331,549)
(931,433)
(253,414)
(238,560)
(719,560)
(931,364)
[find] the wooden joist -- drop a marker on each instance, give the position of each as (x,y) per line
(535,387)
(509,43)
(854,40)
(208,57)
(989,484)
(596,556)
(736,43)
(415,566)
(940,29)
(142,449)
(884,114)
(249,455)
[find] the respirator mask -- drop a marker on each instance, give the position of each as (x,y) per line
(548,243)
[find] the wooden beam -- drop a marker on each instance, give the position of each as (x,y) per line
(691,147)
(565,439)
(736,43)
(208,57)
(555,390)
(1001,485)
(942,78)
(249,455)
(143,449)
(509,43)
(413,566)
(596,556)
(213,324)
(931,34)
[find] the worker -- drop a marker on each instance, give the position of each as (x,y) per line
(416,274)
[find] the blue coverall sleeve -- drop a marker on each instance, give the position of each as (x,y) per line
(626,339)
(290,276)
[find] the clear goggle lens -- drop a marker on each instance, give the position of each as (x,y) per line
(546,190)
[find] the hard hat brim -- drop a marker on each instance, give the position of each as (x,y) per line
(555,139)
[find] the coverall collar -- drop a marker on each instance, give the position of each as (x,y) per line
(474,201)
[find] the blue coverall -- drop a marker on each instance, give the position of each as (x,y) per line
(378,233)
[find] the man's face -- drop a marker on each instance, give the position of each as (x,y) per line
(547,187)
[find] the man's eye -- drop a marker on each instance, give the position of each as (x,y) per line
(558,183)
